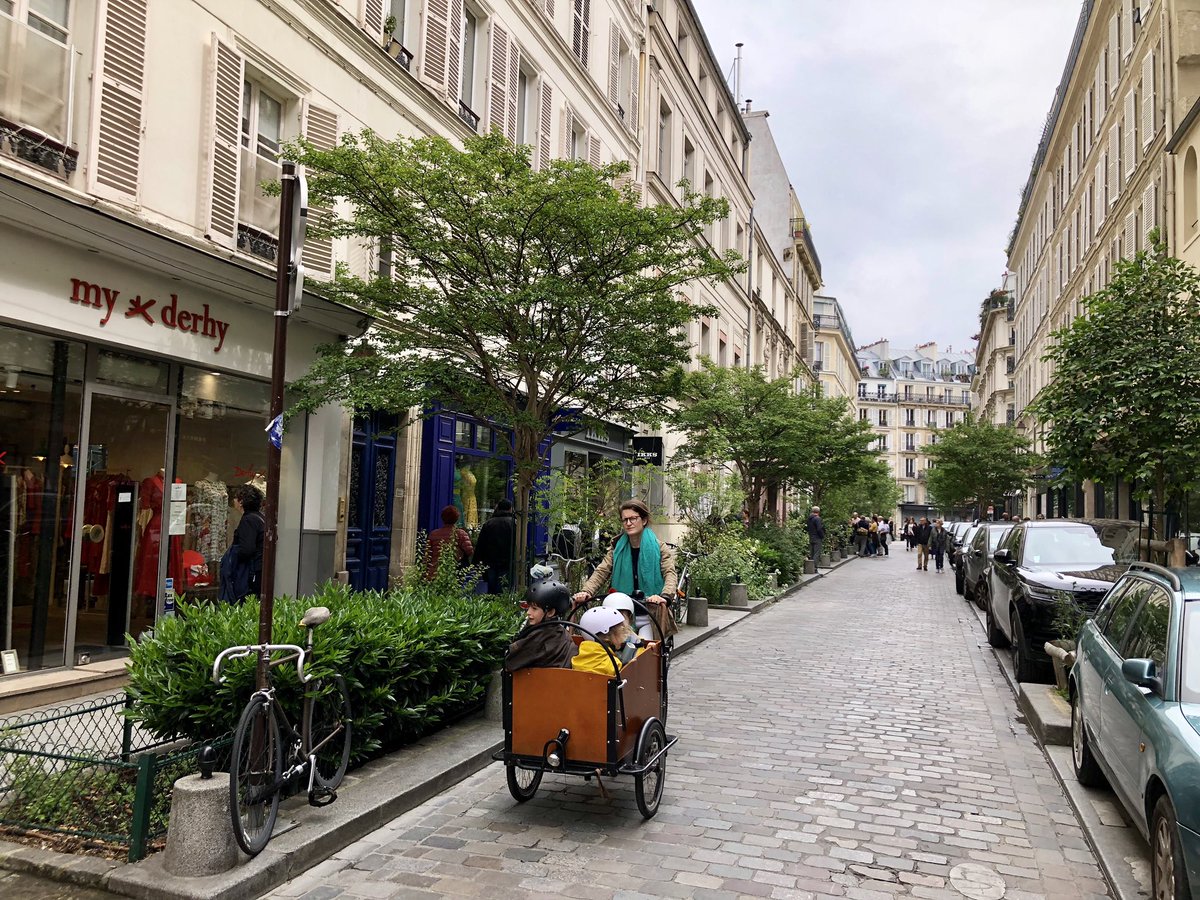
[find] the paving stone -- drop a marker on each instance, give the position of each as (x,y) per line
(872,777)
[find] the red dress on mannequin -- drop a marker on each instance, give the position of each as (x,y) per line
(145,569)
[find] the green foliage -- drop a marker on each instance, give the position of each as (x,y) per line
(782,548)
(1124,400)
(1069,616)
(62,796)
(412,659)
(977,463)
(591,498)
(539,298)
(731,557)
(868,489)
(705,498)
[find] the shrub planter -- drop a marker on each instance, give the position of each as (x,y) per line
(825,562)
(697,611)
(842,553)
(739,596)
(810,567)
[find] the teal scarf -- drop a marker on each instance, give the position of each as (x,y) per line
(650,579)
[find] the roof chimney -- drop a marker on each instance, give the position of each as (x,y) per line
(748,105)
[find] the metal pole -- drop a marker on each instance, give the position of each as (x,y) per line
(283,262)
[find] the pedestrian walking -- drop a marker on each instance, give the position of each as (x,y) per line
(447,539)
(909,525)
(816,534)
(939,543)
(885,530)
(921,534)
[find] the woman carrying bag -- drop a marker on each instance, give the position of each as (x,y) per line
(637,561)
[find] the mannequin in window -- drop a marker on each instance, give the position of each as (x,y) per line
(149,540)
(470,502)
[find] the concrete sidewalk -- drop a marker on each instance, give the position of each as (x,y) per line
(371,796)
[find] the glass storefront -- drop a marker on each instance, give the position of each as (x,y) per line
(161,447)
(480,478)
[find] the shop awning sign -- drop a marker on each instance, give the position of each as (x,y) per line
(648,451)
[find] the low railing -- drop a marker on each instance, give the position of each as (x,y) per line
(37,97)
(468,115)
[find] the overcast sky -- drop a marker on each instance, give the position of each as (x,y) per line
(908,129)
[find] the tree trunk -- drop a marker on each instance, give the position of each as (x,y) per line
(527,462)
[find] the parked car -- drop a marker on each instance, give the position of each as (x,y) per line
(956,558)
(977,557)
(1135,715)
(1036,560)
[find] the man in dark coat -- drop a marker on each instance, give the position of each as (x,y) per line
(816,533)
(494,547)
(921,538)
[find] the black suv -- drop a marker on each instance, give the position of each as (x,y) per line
(1036,560)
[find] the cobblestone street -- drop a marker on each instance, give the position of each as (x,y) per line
(857,740)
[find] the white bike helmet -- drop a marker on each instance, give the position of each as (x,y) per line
(601,620)
(623,602)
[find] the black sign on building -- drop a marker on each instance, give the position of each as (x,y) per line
(648,450)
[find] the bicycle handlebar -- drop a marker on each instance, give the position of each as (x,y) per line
(250,649)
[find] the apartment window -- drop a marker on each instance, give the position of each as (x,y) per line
(470,40)
(929,393)
(966,397)
(581,30)
(908,394)
(664,142)
(524,132)
(929,418)
(881,391)
(722,354)
(883,418)
(862,415)
(689,164)
(684,45)
(262,121)
(261,133)
(933,440)
(703,83)
(862,391)
(949,419)
(50,17)
(398,9)
(705,340)
(910,468)
(910,443)
(910,417)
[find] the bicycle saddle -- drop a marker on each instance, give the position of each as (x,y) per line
(315,616)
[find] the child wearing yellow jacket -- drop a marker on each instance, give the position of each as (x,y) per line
(608,625)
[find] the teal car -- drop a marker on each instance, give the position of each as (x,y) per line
(1135,714)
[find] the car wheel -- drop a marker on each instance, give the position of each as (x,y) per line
(1025,670)
(1168,874)
(995,636)
(1087,770)
(958,580)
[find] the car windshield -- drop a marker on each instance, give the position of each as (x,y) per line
(1191,652)
(995,536)
(1068,545)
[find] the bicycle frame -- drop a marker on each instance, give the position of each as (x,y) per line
(298,653)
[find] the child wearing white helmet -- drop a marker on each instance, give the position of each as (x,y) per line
(608,625)
(624,603)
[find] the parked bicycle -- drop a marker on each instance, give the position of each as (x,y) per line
(317,754)
(679,601)
(572,572)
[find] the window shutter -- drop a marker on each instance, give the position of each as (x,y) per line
(614,63)
(227,71)
(1098,198)
(1114,48)
(118,130)
(548,8)
(1149,210)
(1129,240)
(514,88)
(1127,28)
(498,81)
(567,131)
(321,130)
(544,129)
(633,91)
(1114,162)
(1130,126)
(370,16)
(593,149)
(441,57)
(1148,100)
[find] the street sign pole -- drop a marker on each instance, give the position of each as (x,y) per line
(288,284)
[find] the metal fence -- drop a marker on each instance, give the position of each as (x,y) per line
(88,771)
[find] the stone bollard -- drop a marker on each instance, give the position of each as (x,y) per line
(199,839)
(810,567)
(494,705)
(697,611)
(738,595)
(825,562)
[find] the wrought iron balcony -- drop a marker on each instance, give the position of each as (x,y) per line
(468,115)
(816,366)
(801,232)
(399,53)
(37,97)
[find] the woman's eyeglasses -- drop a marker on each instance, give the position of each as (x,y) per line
(631,520)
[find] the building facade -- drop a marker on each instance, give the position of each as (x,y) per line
(995,360)
(1098,187)
(909,396)
(835,359)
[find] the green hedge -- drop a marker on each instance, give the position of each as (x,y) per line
(731,557)
(782,548)
(412,658)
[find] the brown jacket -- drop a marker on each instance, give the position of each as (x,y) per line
(662,613)
(544,648)
(452,537)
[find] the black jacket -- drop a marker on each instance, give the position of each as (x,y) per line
(541,648)
(494,545)
(921,534)
(816,528)
(248,539)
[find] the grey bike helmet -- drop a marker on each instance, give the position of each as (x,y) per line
(551,595)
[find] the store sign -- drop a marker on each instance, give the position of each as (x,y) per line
(171,315)
(648,450)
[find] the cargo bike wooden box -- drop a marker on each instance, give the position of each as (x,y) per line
(582,723)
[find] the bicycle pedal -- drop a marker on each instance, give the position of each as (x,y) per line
(321,797)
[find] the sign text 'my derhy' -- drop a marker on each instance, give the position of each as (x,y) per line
(168,314)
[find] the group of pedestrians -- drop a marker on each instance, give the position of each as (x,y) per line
(871,534)
(929,539)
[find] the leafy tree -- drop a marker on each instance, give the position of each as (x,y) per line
(1124,400)
(537,298)
(977,463)
(705,498)
(836,454)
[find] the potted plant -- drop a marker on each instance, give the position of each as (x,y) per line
(1069,618)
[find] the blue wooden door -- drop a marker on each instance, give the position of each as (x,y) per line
(369,502)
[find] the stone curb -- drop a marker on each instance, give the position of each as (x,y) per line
(372,796)
(1048,714)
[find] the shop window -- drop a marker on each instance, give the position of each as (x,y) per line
(464,434)
(479,484)
(137,372)
(41,398)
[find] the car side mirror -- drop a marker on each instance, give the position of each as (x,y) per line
(1003,556)
(1143,673)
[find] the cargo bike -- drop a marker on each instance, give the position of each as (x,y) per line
(572,722)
